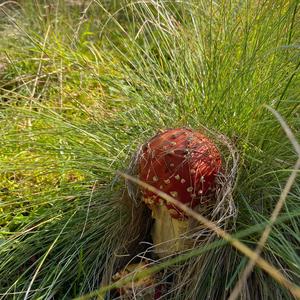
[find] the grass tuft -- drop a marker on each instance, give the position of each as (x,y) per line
(84,83)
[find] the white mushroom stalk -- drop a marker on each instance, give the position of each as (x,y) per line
(167,232)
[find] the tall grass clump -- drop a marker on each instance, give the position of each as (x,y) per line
(84,83)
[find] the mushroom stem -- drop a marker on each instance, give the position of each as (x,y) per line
(168,233)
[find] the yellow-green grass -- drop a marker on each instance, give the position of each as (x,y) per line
(82,87)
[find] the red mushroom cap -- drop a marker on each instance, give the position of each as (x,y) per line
(182,163)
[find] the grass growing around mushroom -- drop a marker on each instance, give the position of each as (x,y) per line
(83,86)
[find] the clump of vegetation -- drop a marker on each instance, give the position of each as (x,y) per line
(82,85)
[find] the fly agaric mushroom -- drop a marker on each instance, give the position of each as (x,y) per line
(184,164)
